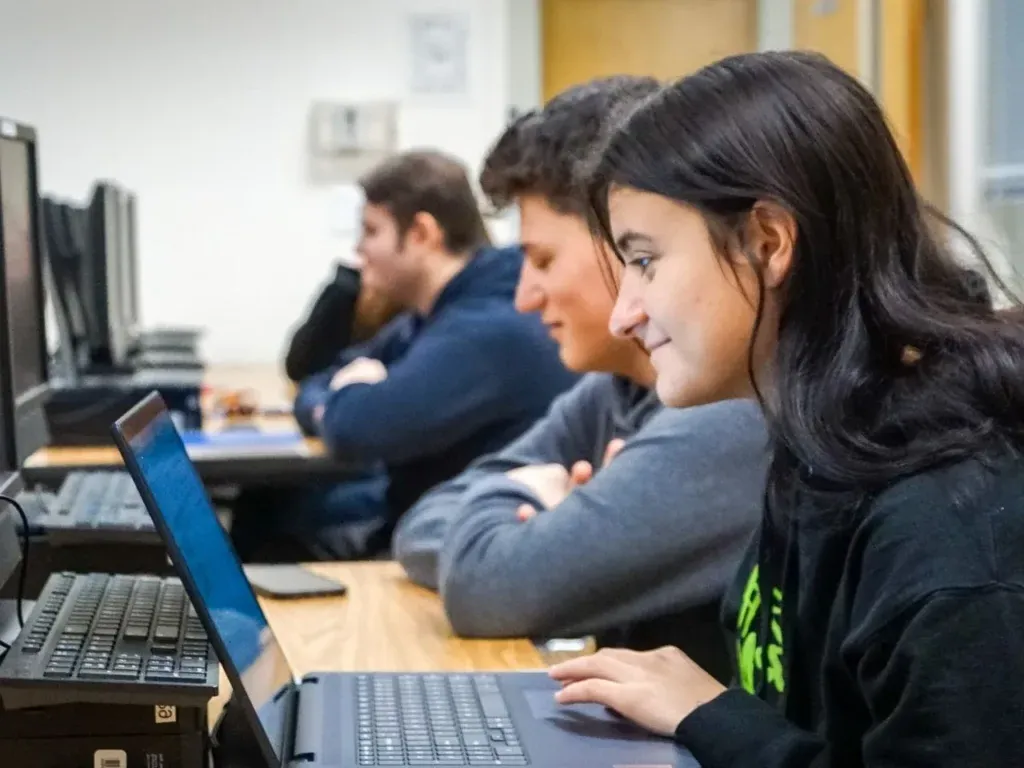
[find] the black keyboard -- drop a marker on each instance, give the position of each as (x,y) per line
(107,502)
(435,720)
(103,628)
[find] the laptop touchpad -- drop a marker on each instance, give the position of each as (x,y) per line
(591,720)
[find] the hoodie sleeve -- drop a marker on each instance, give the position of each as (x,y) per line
(567,434)
(696,472)
(315,390)
(328,328)
(453,381)
(941,685)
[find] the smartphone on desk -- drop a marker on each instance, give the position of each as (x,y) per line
(291,581)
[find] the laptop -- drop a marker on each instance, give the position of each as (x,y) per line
(355,719)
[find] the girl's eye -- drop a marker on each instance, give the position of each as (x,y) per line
(642,264)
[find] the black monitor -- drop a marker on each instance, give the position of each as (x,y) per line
(65,228)
(103,278)
(130,266)
(23,354)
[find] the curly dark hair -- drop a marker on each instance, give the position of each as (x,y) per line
(544,152)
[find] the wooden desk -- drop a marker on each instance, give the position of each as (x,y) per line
(384,624)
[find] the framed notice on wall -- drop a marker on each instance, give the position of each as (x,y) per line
(439,54)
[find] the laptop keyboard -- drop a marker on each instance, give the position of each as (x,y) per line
(435,720)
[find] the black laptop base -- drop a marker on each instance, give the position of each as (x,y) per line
(327,729)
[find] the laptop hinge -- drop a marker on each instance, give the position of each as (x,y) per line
(307,734)
(232,739)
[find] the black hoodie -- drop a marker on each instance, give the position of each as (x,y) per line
(889,636)
(328,329)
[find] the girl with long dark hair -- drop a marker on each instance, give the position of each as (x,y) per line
(775,247)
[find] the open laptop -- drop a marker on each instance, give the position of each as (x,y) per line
(352,719)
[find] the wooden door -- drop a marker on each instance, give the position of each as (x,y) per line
(891,61)
(583,39)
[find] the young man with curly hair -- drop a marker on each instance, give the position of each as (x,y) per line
(564,532)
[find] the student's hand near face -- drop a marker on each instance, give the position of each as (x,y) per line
(656,689)
(581,473)
(362,370)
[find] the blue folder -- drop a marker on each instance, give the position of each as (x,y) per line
(241,438)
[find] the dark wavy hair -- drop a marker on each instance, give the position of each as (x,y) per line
(890,357)
(542,152)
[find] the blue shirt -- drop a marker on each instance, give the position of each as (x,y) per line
(464,380)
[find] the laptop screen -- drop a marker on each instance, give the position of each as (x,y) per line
(207,563)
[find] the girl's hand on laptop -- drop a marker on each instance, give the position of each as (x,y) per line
(657,689)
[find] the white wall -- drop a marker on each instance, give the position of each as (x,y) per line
(200,106)
(526,87)
(774,25)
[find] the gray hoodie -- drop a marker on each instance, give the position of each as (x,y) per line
(656,534)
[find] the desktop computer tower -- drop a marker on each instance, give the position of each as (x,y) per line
(80,413)
(140,706)
(10,559)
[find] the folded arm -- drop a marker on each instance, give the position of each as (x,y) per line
(659,530)
(565,435)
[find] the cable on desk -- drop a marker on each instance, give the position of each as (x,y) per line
(24,556)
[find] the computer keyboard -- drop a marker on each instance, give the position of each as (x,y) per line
(435,720)
(89,501)
(112,629)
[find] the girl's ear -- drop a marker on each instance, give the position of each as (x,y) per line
(771,239)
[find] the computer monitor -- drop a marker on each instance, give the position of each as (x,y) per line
(65,318)
(23,348)
(103,279)
(130,266)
